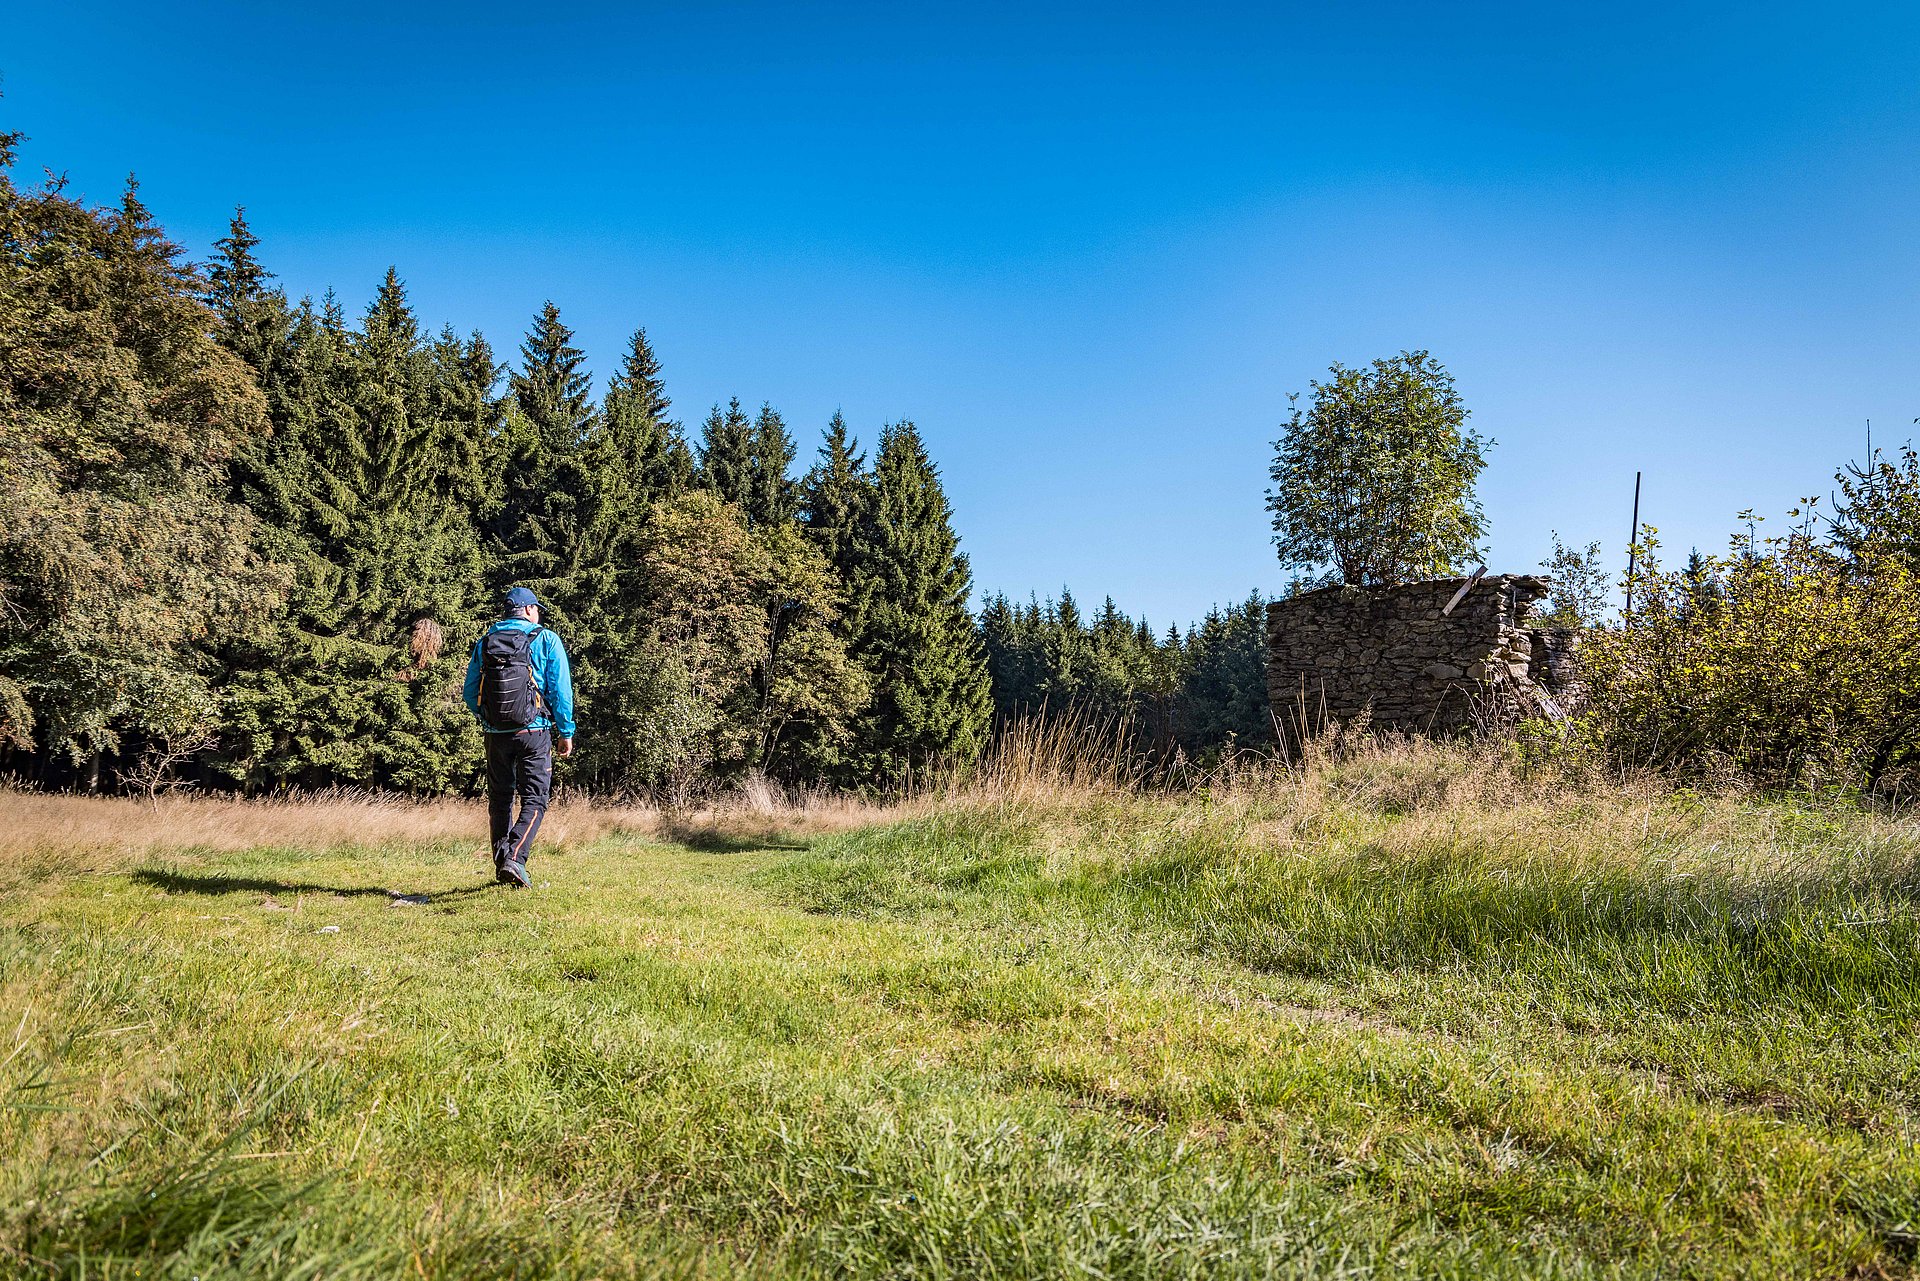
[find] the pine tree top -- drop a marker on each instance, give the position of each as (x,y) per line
(236,276)
(551,386)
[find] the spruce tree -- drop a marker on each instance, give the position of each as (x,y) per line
(727,455)
(646,450)
(835,500)
(361,483)
(552,387)
(541,528)
(253,312)
(465,378)
(771,496)
(931,699)
(1223,698)
(1010,639)
(636,458)
(1065,653)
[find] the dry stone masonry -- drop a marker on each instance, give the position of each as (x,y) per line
(1392,659)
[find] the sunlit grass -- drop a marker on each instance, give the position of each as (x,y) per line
(1410,1013)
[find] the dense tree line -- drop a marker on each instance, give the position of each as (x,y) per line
(1190,694)
(258,536)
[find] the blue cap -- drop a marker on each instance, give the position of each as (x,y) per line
(520,598)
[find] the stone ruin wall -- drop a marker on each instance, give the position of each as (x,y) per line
(1339,652)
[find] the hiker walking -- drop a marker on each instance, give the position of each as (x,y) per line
(521,689)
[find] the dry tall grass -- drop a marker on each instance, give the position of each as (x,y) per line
(1409,799)
(40,831)
(1061,770)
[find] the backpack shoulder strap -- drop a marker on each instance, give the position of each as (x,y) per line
(533,672)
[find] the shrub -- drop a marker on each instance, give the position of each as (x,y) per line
(1790,662)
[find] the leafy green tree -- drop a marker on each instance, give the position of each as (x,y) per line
(741,621)
(805,687)
(931,700)
(1579,593)
(1375,480)
(122,565)
(702,623)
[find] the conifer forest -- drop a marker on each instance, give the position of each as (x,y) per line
(252,539)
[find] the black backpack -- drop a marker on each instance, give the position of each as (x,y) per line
(508,697)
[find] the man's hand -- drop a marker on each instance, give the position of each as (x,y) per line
(566,747)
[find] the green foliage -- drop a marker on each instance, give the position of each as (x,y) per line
(634,457)
(727,448)
(1222,700)
(549,482)
(1579,595)
(914,636)
(805,688)
(836,498)
(772,498)
(815,631)
(253,314)
(646,455)
(1197,696)
(746,462)
(1375,480)
(122,567)
(367,484)
(1879,509)
(742,621)
(1791,662)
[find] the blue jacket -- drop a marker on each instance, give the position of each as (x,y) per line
(552,676)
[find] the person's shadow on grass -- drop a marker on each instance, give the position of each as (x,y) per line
(185,883)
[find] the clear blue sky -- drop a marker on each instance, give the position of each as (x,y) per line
(1090,250)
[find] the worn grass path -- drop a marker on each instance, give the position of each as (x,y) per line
(765,1059)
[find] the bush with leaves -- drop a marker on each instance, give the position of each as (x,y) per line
(1792,662)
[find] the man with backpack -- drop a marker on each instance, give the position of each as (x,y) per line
(520,687)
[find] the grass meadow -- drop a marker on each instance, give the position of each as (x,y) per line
(1405,1011)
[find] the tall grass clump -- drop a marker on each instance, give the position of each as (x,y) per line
(1389,860)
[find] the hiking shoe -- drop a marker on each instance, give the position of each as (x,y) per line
(514,874)
(500,871)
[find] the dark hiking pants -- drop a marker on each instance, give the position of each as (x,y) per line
(518,765)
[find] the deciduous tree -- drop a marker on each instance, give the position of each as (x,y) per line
(1374,481)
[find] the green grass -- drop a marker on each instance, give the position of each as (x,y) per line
(1388,1027)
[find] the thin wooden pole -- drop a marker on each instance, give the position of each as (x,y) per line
(1633,542)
